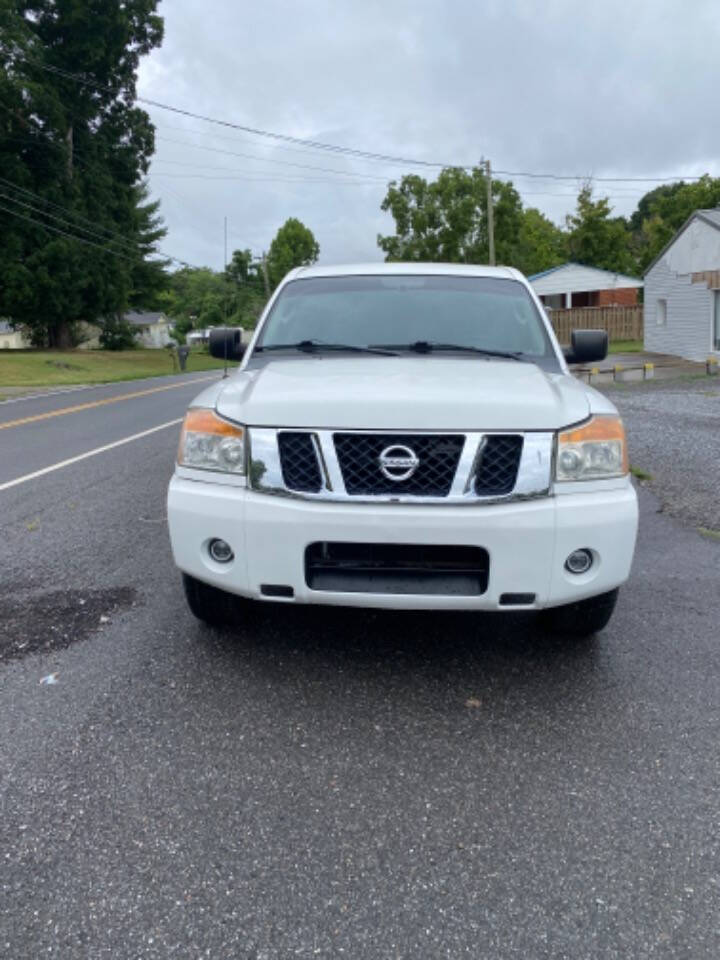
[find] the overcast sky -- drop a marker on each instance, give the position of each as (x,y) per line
(613,88)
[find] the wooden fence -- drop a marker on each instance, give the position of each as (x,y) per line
(621,323)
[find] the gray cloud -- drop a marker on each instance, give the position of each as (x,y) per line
(608,89)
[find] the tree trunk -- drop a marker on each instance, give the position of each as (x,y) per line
(60,336)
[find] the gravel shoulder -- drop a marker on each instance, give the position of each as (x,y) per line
(674,435)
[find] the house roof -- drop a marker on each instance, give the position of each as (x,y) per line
(546,273)
(145,319)
(711,217)
(5,327)
(633,281)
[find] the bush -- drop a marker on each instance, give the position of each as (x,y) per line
(117,334)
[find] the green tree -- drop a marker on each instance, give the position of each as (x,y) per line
(117,334)
(243,268)
(75,227)
(194,296)
(148,277)
(293,246)
(662,211)
(596,238)
(446,219)
(198,297)
(541,244)
(247,288)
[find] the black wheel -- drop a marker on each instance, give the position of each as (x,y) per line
(583,618)
(213,606)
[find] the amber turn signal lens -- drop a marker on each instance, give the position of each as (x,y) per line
(597,450)
(207,442)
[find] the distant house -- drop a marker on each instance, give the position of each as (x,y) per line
(11,339)
(574,285)
(151,329)
(682,291)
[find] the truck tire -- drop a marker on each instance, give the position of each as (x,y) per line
(215,607)
(581,619)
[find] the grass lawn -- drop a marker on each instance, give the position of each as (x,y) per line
(618,346)
(45,368)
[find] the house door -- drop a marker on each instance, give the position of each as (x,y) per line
(716,319)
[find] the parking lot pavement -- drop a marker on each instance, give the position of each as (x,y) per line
(336,783)
(674,435)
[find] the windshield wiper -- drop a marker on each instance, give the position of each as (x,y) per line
(317,346)
(429,346)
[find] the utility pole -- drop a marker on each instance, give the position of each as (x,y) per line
(490,215)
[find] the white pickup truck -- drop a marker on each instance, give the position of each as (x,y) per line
(405,436)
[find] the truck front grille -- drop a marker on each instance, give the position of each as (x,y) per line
(299,462)
(441,468)
(359,458)
(498,467)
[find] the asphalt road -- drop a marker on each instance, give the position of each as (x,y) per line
(328,783)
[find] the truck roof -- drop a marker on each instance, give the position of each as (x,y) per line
(397,269)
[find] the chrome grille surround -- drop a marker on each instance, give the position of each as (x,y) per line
(265,473)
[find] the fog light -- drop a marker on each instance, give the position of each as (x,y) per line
(579,561)
(220,551)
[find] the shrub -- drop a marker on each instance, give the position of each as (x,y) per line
(117,334)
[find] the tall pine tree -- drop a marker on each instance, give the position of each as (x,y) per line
(75,225)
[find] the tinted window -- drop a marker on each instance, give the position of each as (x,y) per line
(486,312)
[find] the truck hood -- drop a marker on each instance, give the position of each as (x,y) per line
(402,393)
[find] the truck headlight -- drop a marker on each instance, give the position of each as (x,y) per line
(208,442)
(597,450)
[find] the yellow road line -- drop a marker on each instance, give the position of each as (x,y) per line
(98,403)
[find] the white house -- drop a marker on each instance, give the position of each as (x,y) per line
(682,291)
(12,339)
(575,285)
(152,329)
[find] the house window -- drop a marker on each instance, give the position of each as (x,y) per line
(661,313)
(716,319)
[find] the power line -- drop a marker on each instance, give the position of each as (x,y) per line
(286,138)
(242,139)
(582,177)
(52,216)
(112,233)
(244,179)
(285,163)
(71,236)
(341,150)
(96,230)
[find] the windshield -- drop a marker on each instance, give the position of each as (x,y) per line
(485,313)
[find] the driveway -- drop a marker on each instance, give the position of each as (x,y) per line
(674,435)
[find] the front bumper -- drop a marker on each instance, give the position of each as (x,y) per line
(528,541)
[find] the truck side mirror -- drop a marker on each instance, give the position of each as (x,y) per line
(587,346)
(226,343)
